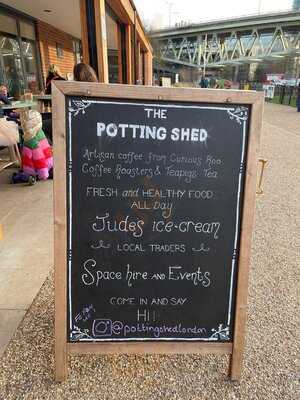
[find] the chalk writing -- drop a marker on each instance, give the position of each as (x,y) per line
(154,207)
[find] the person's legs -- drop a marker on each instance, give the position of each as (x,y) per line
(47,126)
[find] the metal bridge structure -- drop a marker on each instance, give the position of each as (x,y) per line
(250,39)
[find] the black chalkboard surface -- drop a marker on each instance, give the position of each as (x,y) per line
(154,198)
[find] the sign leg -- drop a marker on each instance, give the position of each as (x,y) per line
(60,328)
(60,234)
(236,363)
(61,368)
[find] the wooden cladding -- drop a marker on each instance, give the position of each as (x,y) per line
(49,38)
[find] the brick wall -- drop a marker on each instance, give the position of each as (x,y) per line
(48,37)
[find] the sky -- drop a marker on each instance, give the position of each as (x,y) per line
(158,13)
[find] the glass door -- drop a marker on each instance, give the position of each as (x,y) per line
(29,58)
(113,46)
(12,66)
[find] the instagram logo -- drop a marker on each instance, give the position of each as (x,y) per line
(106,327)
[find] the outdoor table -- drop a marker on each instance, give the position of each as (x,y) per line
(15,105)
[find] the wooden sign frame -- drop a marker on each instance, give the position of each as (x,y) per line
(235,348)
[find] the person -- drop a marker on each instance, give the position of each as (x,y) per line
(8,130)
(204,82)
(15,83)
(3,98)
(220,83)
(298,98)
(37,158)
(84,73)
(53,74)
(213,83)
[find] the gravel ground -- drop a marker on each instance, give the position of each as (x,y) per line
(270,367)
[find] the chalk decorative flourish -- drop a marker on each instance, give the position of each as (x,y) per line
(221,333)
(79,106)
(201,248)
(100,245)
(77,333)
(239,114)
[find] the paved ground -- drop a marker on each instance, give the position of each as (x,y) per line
(270,370)
(26,251)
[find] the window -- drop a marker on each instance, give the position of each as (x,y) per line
(27,30)
(142,69)
(112,31)
(77,51)
(8,24)
(29,57)
(18,59)
(59,50)
(12,66)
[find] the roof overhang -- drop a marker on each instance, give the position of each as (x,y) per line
(63,15)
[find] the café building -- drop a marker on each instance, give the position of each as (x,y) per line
(108,35)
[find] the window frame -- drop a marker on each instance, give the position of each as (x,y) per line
(59,50)
(19,16)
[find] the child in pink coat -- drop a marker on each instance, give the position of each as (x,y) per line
(37,159)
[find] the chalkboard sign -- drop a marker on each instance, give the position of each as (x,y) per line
(155,190)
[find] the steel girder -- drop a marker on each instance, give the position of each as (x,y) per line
(213,49)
